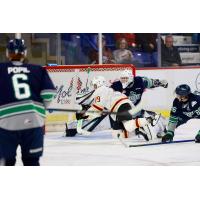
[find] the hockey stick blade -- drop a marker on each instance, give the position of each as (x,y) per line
(159,143)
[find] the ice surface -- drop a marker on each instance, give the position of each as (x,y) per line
(100,149)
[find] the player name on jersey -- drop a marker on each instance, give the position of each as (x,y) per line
(17,70)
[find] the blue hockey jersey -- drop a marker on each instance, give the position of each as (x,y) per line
(134,90)
(188,110)
(25,90)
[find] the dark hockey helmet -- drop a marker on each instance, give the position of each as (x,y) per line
(16,49)
(183,90)
(16,46)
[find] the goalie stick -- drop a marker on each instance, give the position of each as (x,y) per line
(96,121)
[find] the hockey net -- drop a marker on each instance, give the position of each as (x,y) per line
(75,80)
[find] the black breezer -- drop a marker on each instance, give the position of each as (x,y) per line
(122,115)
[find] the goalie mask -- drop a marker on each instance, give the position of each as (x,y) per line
(16,50)
(98,82)
(126,78)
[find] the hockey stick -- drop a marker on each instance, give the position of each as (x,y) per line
(133,111)
(159,143)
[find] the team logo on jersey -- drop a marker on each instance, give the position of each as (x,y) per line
(133,96)
(174,109)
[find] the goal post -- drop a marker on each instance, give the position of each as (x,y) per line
(72,81)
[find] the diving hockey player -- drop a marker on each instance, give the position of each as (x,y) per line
(105,101)
(26,91)
(134,87)
(186,106)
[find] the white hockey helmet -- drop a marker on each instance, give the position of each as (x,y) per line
(126,77)
(98,81)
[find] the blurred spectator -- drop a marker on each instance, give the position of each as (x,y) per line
(130,38)
(122,54)
(169,54)
(146,42)
(107,53)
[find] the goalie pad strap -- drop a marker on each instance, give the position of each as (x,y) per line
(125,134)
(97,107)
(137,123)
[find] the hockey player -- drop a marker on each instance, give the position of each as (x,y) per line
(186,106)
(134,87)
(105,100)
(26,90)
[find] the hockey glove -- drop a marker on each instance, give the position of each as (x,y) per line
(168,137)
(163,83)
(197,138)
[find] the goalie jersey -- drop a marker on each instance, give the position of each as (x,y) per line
(105,98)
(25,91)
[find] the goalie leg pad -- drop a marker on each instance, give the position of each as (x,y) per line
(131,125)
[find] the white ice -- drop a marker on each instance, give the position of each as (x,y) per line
(101,150)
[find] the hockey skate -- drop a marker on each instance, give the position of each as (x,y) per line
(140,131)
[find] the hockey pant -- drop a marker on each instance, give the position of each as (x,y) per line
(126,122)
(31,142)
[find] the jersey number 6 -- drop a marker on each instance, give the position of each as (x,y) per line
(22,90)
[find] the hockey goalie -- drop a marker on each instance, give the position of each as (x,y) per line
(104,109)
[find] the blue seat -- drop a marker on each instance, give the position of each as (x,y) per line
(146,59)
(155,58)
(143,58)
